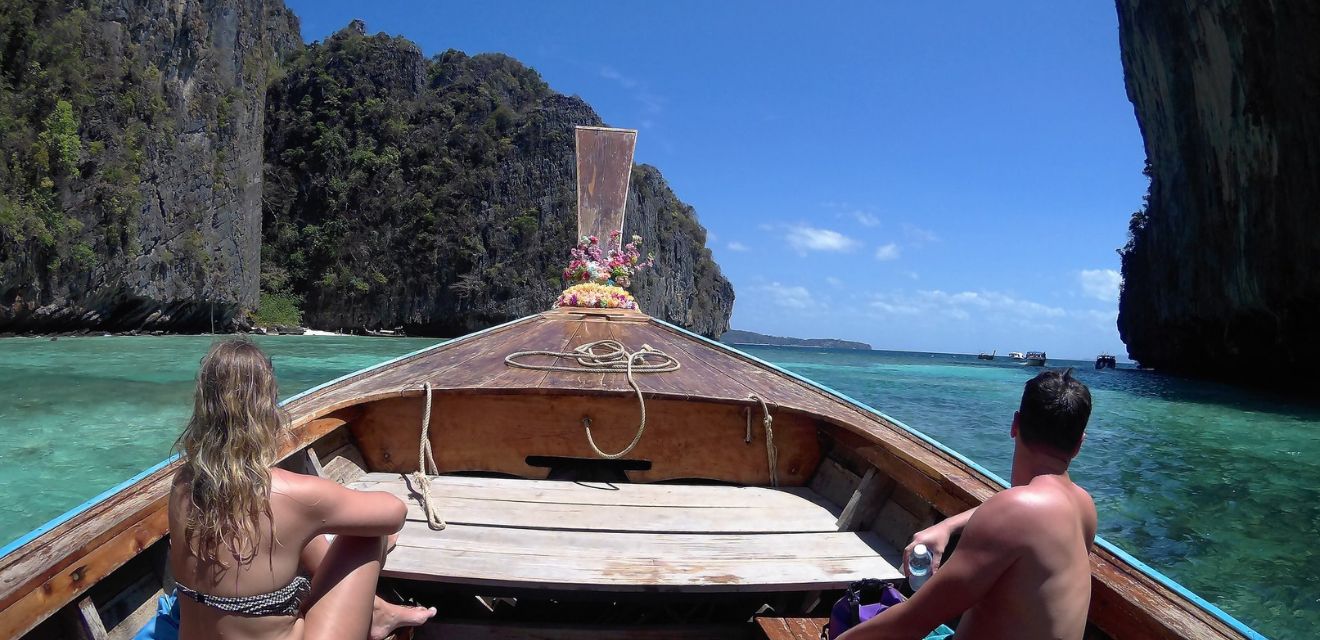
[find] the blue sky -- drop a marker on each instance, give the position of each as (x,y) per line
(950,176)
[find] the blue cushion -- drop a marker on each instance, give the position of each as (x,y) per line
(165,626)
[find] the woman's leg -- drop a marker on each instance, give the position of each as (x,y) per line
(343,588)
(384,617)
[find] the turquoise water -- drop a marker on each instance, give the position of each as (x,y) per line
(1217,487)
(80,415)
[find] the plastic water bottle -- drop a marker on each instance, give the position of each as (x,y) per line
(918,566)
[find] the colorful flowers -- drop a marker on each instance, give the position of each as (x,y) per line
(615,268)
(596,296)
(599,280)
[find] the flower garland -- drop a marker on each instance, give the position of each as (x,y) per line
(598,296)
(602,279)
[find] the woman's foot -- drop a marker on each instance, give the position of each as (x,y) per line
(387,617)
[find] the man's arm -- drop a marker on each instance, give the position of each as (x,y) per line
(936,538)
(991,543)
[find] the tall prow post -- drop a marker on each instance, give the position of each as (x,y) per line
(604,164)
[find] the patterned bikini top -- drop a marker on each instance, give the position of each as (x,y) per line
(286,601)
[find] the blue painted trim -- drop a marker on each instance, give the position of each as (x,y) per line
(1223,616)
(68,515)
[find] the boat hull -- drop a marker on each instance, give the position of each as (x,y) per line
(704,428)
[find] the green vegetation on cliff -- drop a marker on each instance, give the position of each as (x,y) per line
(438,193)
(73,124)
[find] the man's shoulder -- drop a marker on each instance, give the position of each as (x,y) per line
(1030,502)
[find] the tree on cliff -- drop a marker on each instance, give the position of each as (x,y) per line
(439,194)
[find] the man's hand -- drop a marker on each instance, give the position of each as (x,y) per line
(936,538)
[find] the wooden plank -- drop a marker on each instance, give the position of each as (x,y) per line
(781,512)
(533,558)
(128,628)
(604,169)
(863,498)
(565,492)
(496,433)
(88,621)
(37,604)
(345,465)
(483,630)
(775,628)
(833,482)
(312,463)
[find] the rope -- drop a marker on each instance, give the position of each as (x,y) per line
(424,456)
(771,453)
(613,357)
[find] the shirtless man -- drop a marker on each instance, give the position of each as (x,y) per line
(1022,568)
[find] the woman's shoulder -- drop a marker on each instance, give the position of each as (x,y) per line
(302,487)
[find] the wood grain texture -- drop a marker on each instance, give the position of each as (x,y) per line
(483,630)
(496,433)
(773,628)
(623,562)
(622,508)
(604,166)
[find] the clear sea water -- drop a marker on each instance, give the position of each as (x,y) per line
(1215,486)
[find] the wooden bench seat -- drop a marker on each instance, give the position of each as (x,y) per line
(545,534)
(775,628)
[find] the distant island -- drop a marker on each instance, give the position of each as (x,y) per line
(734,336)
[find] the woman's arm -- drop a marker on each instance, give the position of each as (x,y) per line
(334,508)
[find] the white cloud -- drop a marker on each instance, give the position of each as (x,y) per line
(866,219)
(887,252)
(610,73)
(962,306)
(734,245)
(804,238)
(833,281)
(1101,284)
(789,297)
(918,236)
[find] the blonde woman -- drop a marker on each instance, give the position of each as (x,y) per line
(244,536)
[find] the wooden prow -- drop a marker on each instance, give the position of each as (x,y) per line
(604,165)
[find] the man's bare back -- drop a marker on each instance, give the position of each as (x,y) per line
(1046,591)
(1022,565)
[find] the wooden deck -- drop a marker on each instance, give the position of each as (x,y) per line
(556,535)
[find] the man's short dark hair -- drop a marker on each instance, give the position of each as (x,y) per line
(1054,410)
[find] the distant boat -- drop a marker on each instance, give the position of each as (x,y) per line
(1016,355)
(986,356)
(1034,359)
(1106,361)
(396,332)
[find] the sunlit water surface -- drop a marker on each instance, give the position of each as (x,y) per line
(1217,487)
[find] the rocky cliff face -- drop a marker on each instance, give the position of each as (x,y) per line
(1222,273)
(130,178)
(439,195)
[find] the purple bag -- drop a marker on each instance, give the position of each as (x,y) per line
(863,600)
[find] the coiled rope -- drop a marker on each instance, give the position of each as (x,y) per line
(609,356)
(771,453)
(425,456)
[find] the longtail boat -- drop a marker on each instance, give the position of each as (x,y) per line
(724,498)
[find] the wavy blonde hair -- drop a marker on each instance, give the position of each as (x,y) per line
(230,442)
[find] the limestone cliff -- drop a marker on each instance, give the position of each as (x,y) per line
(130,178)
(439,195)
(1222,272)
